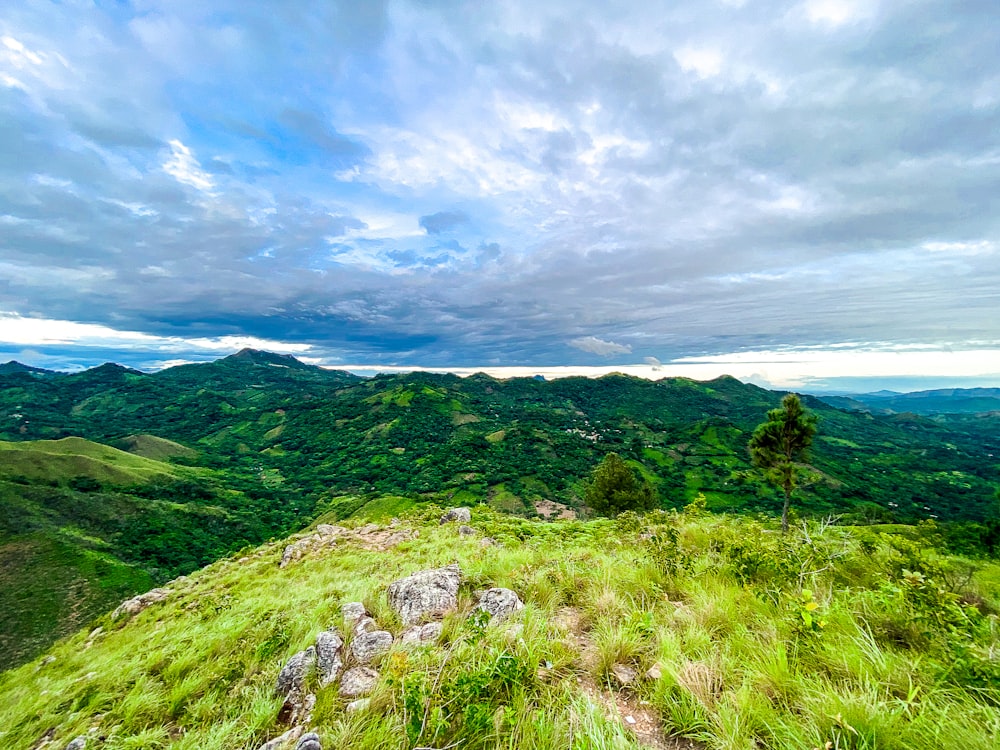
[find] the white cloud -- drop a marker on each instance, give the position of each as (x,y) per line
(21,331)
(184,167)
(595,345)
(837,12)
(702,61)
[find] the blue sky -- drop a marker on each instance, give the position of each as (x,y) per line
(793,192)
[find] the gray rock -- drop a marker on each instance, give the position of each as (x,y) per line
(280,741)
(426,594)
(366,646)
(292,552)
(500,603)
(624,674)
(137,604)
(462,515)
(326,529)
(79,743)
(309,741)
(357,681)
(292,677)
(353,611)
(329,656)
(418,634)
(365,625)
(464,530)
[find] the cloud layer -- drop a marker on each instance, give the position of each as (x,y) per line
(504,183)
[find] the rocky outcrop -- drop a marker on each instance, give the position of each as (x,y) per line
(421,634)
(80,743)
(137,604)
(460,515)
(426,595)
(499,603)
(357,681)
(329,656)
(366,646)
(464,530)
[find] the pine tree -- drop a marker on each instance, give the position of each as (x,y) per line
(615,488)
(780,444)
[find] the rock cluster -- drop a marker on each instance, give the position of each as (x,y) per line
(420,599)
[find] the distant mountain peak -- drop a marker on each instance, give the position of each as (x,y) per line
(14,366)
(261,357)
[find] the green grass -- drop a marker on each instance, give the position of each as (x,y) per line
(156,448)
(717,608)
(63,460)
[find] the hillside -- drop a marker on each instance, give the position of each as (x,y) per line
(664,631)
(84,525)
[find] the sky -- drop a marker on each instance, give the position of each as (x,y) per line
(799,193)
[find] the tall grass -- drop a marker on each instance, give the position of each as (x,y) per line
(729,649)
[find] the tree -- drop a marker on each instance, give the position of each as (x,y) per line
(780,445)
(615,488)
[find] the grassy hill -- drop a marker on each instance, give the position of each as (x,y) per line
(663,631)
(61,461)
(85,525)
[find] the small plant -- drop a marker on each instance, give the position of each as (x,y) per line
(806,614)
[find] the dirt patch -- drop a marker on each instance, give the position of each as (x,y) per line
(636,716)
(551,510)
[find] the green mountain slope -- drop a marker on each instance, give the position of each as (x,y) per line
(668,631)
(59,461)
(84,525)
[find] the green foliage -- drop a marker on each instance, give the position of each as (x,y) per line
(615,488)
(779,445)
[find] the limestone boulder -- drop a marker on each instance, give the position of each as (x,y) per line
(357,681)
(425,595)
(459,515)
(366,646)
(499,603)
